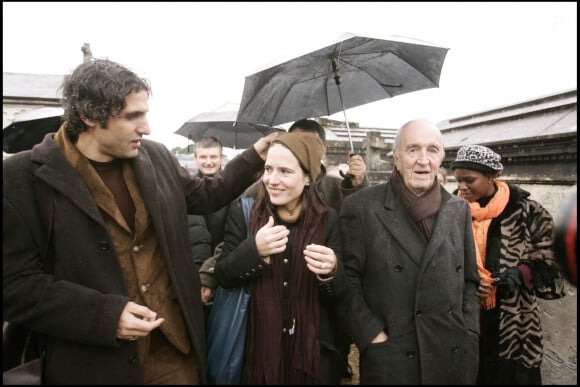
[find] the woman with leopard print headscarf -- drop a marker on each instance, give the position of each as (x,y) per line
(516,264)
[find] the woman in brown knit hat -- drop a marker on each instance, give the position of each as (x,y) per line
(292,262)
(516,264)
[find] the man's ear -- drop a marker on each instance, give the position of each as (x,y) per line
(88,123)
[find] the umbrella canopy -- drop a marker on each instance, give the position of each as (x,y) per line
(29,128)
(354,71)
(223,126)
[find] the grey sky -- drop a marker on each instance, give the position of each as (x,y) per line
(197,55)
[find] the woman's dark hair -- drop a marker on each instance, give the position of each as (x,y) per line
(263,203)
(96,90)
(309,126)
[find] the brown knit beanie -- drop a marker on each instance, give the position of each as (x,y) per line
(308,149)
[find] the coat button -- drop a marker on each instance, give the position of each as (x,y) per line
(410,354)
(418,313)
(285,260)
(398,268)
(132,359)
(459,268)
(455,349)
(450,310)
(136,249)
(285,284)
(284,330)
(145,287)
(104,245)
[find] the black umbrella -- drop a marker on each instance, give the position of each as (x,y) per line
(29,128)
(223,126)
(354,71)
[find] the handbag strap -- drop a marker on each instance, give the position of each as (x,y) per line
(247,203)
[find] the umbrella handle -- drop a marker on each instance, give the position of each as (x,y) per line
(346,176)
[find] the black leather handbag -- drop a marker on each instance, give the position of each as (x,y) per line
(21,362)
(29,373)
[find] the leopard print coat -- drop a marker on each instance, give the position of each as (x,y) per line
(522,234)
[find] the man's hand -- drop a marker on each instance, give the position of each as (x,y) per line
(357,169)
(380,338)
(137,321)
(261,146)
(206,294)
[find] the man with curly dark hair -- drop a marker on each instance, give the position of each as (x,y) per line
(118,300)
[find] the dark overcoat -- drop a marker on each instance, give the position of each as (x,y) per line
(421,292)
(77,309)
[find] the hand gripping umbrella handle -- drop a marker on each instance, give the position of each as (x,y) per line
(346,176)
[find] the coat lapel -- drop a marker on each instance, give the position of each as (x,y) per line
(401,228)
(149,189)
(447,215)
(57,173)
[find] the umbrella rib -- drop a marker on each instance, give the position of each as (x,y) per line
(340,58)
(366,43)
(390,52)
(326,95)
(376,80)
(279,105)
(317,74)
(255,96)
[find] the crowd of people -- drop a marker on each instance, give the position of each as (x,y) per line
(432,286)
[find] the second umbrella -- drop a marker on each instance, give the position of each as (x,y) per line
(223,126)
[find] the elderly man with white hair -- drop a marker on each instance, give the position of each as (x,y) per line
(409,257)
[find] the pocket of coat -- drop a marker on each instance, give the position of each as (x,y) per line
(373,364)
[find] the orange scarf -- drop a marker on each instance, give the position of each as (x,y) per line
(481,219)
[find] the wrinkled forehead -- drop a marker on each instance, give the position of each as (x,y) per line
(421,135)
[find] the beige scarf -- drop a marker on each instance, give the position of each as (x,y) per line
(482,218)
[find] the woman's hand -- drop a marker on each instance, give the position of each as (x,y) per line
(320,260)
(484,290)
(271,239)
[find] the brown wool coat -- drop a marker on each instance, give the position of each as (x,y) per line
(77,309)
